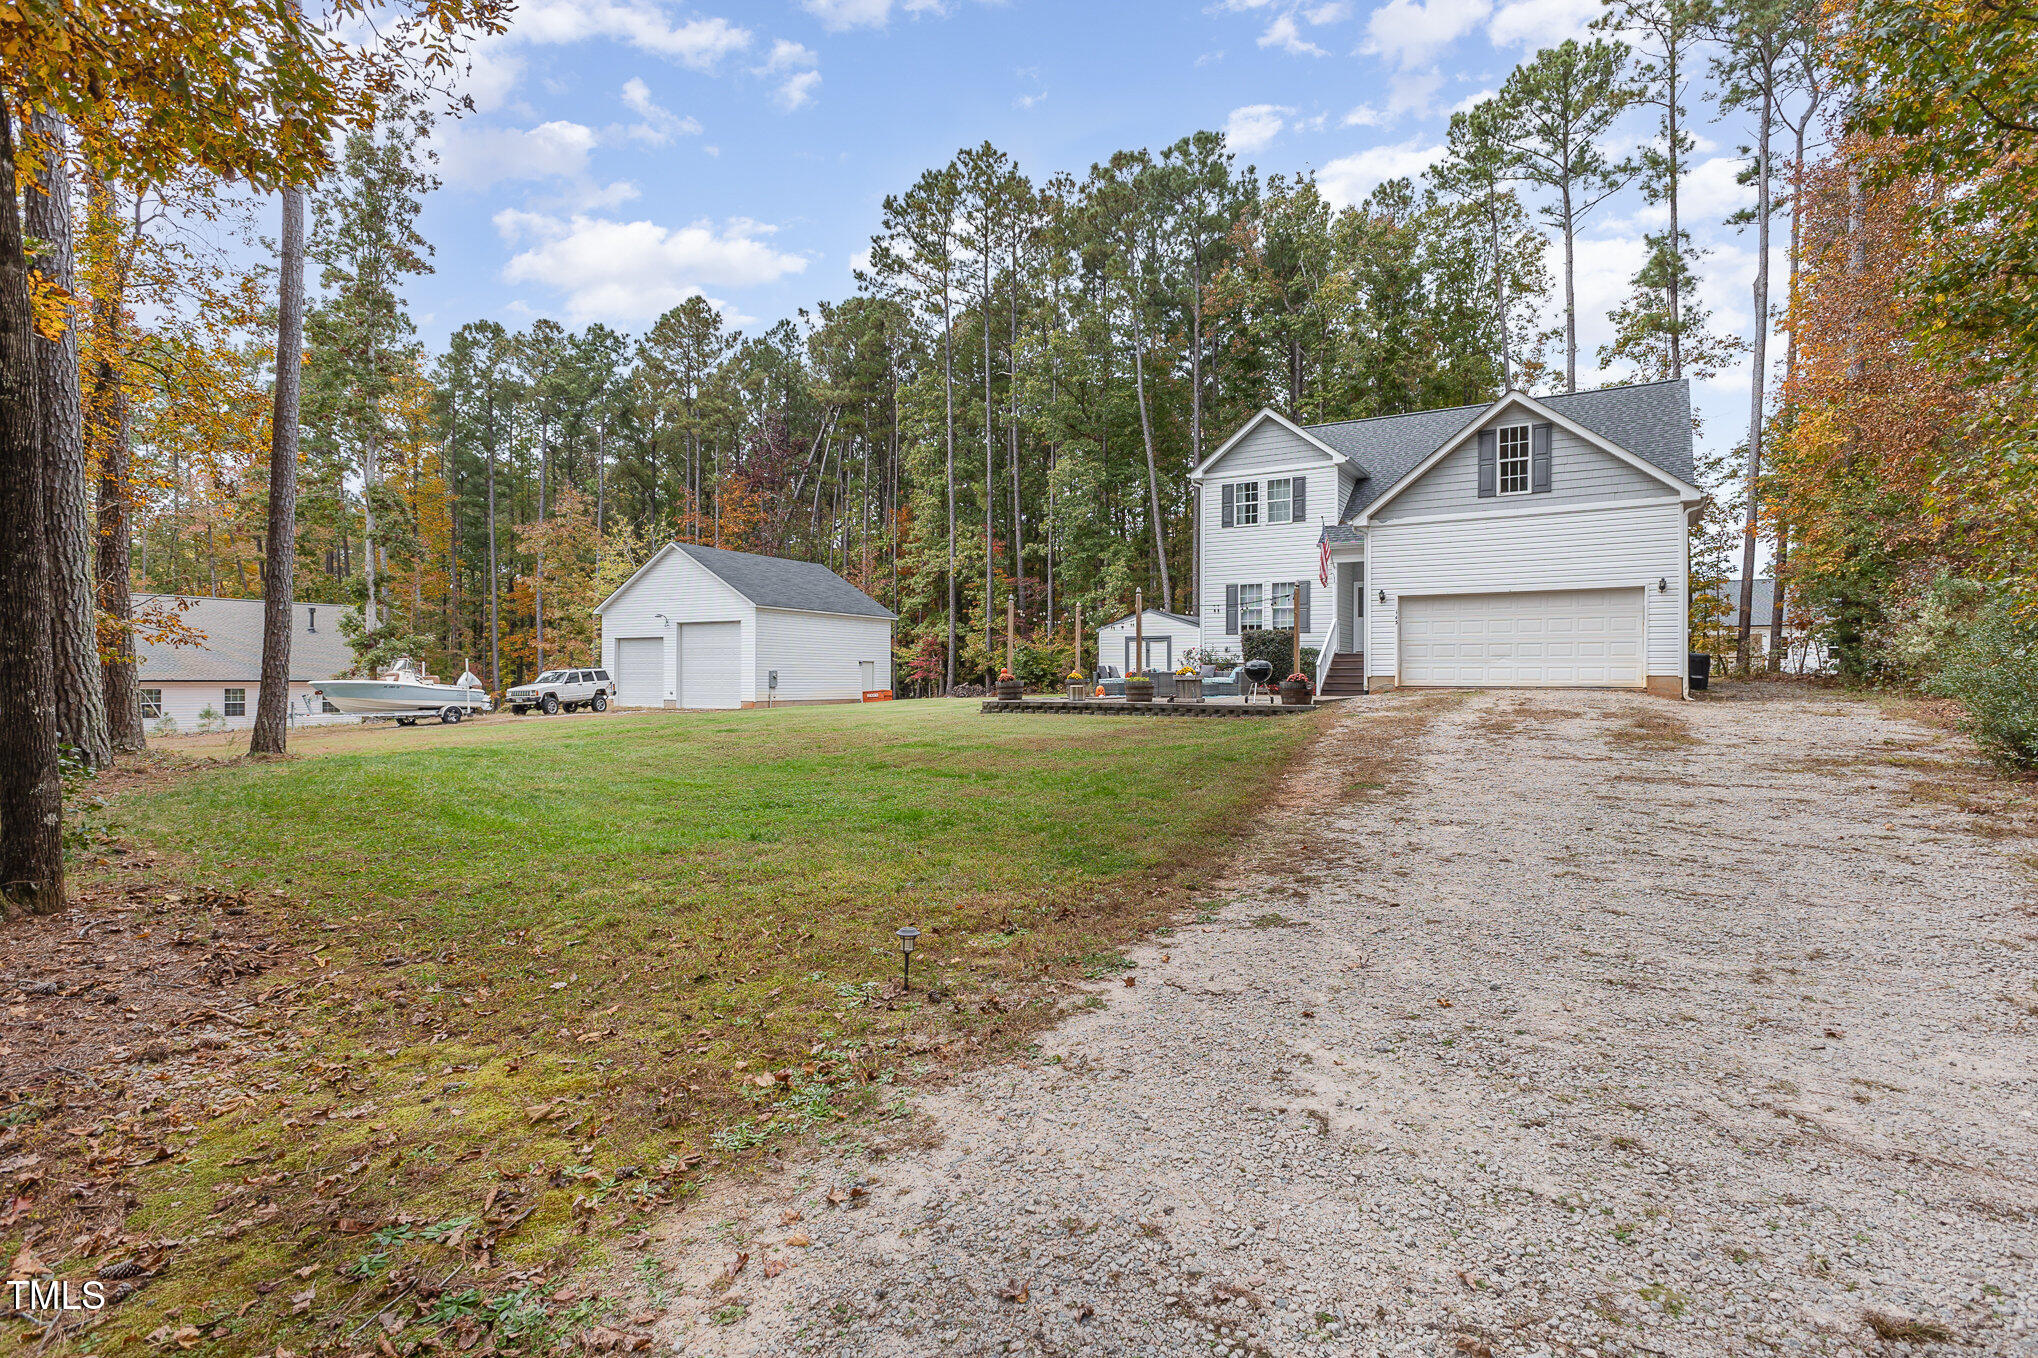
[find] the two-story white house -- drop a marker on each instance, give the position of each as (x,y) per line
(1530,542)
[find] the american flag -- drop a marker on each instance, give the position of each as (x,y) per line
(1323,559)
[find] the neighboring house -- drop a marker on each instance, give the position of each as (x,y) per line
(703,627)
(1528,542)
(1169,638)
(222,675)
(1800,648)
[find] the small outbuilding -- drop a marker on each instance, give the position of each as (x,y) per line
(706,627)
(213,680)
(1169,639)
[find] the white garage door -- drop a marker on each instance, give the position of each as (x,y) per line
(640,671)
(1582,638)
(710,656)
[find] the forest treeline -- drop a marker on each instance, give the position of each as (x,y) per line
(1007,404)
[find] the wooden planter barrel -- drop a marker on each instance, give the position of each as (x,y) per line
(1138,689)
(1295,693)
(1010,689)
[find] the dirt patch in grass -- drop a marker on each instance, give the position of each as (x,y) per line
(1651,728)
(508,991)
(1906,1330)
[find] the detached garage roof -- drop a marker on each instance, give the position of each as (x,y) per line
(231,648)
(771,582)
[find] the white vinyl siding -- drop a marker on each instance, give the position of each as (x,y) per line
(1168,640)
(684,592)
(1579,474)
(1558,639)
(640,671)
(1534,550)
(820,657)
(183,699)
(1270,551)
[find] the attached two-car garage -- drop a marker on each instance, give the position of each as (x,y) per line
(1548,639)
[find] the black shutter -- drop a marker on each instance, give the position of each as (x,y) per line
(1298,503)
(1489,474)
(1539,458)
(1225,491)
(1302,606)
(1230,601)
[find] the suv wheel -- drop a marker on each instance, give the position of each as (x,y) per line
(551,704)
(600,702)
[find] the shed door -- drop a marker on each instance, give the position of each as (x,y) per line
(640,671)
(710,656)
(1580,638)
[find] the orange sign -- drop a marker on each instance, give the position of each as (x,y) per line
(877,695)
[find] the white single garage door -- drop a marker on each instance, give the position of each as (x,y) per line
(710,655)
(640,671)
(1577,638)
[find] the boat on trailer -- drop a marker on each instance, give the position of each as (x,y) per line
(407,693)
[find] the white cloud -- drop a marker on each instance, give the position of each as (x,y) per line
(473,157)
(1542,23)
(837,15)
(1412,31)
(797,91)
(660,124)
(1333,11)
(1411,91)
(700,43)
(1473,100)
(1348,179)
(1286,34)
(795,62)
(1365,115)
(630,272)
(1254,126)
(1711,192)
(490,76)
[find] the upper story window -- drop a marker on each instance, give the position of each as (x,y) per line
(1514,460)
(1279,499)
(1251,610)
(1246,501)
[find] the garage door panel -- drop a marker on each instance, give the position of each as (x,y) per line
(710,656)
(1559,638)
(640,671)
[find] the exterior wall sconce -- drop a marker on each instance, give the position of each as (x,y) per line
(1383,596)
(1662,584)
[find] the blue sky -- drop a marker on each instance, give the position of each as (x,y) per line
(628,153)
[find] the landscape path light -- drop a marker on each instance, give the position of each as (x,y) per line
(908,936)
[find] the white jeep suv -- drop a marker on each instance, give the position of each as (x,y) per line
(567,689)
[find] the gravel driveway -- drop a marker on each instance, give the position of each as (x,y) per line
(1569,1024)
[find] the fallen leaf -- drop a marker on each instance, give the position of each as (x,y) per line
(799,1239)
(774,1267)
(26,1264)
(789,1216)
(733,1267)
(1131,980)
(1014,1290)
(1443,1003)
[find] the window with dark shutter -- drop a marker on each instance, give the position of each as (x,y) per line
(1489,483)
(1298,500)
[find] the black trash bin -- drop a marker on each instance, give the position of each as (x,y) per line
(1701,669)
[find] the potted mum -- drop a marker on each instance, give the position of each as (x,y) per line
(1296,690)
(1138,688)
(1010,689)
(1188,685)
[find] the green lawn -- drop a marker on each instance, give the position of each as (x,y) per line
(632,949)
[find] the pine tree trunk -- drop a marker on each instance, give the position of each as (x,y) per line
(494,588)
(279,572)
(1676,232)
(948,397)
(81,701)
(108,428)
(31,783)
(1757,388)
(370,458)
(1153,482)
(1570,295)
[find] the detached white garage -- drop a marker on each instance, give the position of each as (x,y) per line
(704,627)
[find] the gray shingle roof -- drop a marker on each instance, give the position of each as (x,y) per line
(775,582)
(232,648)
(1652,420)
